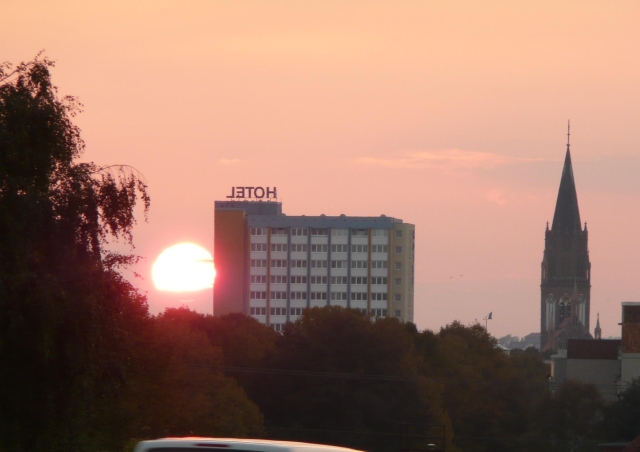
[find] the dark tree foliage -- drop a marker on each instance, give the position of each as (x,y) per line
(178,387)
(339,378)
(245,343)
(572,419)
(66,315)
(492,398)
(622,420)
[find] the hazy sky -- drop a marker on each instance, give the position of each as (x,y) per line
(449,115)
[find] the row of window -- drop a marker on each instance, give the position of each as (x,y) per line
(335,280)
(298,263)
(282,279)
(274,231)
(280,295)
(355,296)
(324,232)
(298,311)
(297,248)
(364,280)
(275,311)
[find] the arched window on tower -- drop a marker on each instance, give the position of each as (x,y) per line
(561,311)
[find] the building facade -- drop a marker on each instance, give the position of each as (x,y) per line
(565,286)
(272,266)
(610,364)
(589,361)
(630,347)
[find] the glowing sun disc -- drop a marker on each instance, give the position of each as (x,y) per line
(184,267)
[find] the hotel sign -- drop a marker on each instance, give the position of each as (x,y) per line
(253,193)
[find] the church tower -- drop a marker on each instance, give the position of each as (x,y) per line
(565,286)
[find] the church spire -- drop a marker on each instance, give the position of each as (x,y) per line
(567,214)
(598,332)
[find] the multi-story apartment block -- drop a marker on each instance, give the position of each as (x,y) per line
(272,266)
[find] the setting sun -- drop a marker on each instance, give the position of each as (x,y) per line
(184,267)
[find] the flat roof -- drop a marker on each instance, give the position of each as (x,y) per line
(322,221)
(593,348)
(269,214)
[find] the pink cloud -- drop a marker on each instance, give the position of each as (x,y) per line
(444,159)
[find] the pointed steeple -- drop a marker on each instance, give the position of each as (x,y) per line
(567,214)
(598,332)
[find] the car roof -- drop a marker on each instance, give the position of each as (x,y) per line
(265,445)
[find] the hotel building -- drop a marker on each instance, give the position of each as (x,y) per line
(272,266)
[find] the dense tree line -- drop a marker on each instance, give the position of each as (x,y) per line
(85,367)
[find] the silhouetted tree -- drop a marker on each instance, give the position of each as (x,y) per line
(338,377)
(66,315)
(622,420)
(492,398)
(177,386)
(245,343)
(573,418)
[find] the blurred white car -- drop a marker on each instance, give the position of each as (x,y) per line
(232,444)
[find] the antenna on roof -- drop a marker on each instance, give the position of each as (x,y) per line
(568,131)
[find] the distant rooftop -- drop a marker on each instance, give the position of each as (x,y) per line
(593,349)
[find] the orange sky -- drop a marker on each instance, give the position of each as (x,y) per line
(449,115)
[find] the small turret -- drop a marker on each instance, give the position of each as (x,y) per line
(597,333)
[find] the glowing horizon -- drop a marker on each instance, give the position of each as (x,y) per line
(451,116)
